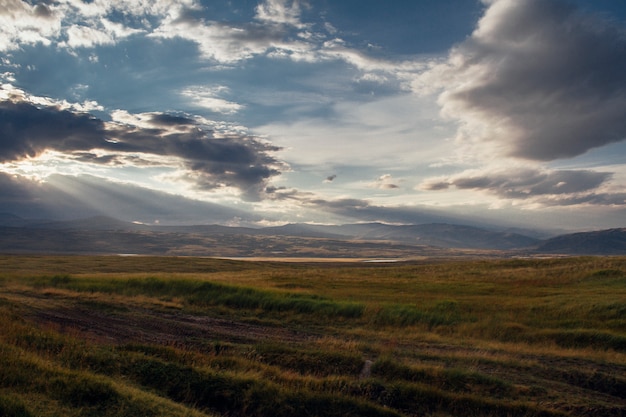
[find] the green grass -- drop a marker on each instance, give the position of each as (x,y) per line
(444,313)
(206,294)
(109,336)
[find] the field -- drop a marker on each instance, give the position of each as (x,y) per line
(176,336)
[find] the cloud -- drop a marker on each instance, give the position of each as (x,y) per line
(68,197)
(596,199)
(377,70)
(222,42)
(77,24)
(543,186)
(552,211)
(275,31)
(384,182)
(280,11)
(537,80)
(28,130)
(278,32)
(207,98)
(21,23)
(358,210)
(10,93)
(210,159)
(99,32)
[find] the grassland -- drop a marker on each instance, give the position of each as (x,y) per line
(158,336)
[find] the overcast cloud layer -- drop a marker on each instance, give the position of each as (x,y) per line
(502,111)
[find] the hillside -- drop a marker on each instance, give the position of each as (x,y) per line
(602,242)
(106,235)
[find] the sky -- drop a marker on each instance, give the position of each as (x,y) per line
(503,113)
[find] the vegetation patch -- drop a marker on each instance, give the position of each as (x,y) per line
(199,293)
(108,336)
(585,338)
(454,379)
(306,361)
(444,313)
(11,406)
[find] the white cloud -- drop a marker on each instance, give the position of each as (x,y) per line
(220,42)
(208,98)
(84,36)
(336,49)
(10,93)
(100,8)
(21,23)
(76,23)
(280,12)
(276,32)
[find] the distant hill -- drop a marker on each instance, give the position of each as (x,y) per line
(89,223)
(458,236)
(102,234)
(8,219)
(602,242)
(434,234)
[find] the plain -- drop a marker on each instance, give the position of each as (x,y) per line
(185,336)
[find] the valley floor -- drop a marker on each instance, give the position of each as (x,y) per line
(111,336)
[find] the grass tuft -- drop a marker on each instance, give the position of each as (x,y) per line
(445,313)
(585,338)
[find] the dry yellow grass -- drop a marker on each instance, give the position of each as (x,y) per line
(504,337)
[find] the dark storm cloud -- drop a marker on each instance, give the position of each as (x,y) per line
(161,119)
(41,10)
(27,130)
(539,80)
(528,183)
(242,162)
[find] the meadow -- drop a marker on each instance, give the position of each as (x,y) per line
(185,336)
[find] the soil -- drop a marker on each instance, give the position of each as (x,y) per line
(160,327)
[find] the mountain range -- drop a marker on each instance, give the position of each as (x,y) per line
(363,240)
